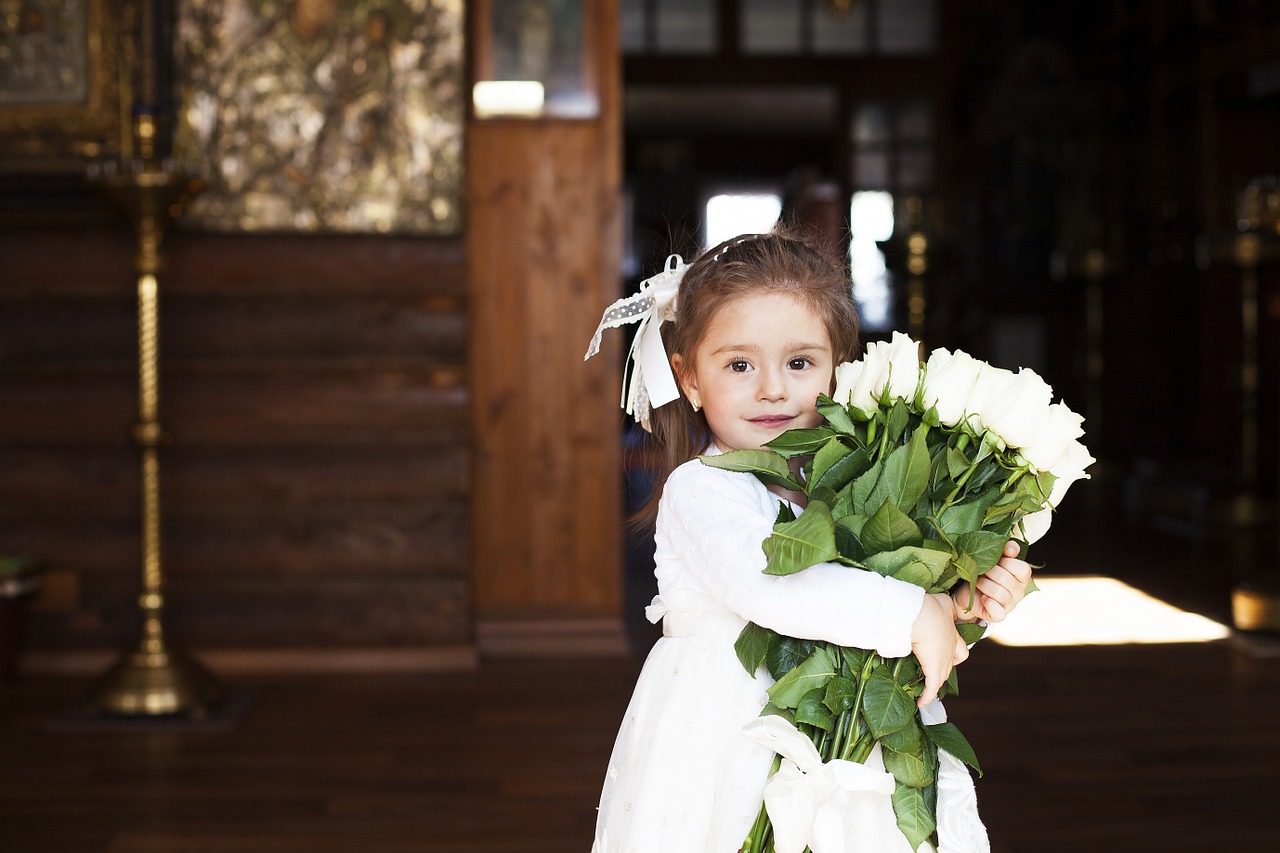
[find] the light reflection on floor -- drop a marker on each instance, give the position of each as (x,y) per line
(1093,610)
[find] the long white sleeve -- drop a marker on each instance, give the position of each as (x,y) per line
(711,524)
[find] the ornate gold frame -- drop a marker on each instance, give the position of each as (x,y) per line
(64,137)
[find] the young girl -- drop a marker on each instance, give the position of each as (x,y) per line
(754,329)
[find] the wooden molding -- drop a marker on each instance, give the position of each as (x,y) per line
(552,638)
(221,662)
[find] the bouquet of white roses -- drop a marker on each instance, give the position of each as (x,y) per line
(922,472)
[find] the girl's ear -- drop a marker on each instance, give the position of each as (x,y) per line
(688,381)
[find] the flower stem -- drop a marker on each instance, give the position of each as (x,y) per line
(760,838)
(853,715)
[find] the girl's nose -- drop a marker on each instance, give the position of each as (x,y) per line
(772,386)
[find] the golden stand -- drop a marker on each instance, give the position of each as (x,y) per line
(153,679)
(917,266)
(1255,603)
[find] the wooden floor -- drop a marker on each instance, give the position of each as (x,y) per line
(1170,748)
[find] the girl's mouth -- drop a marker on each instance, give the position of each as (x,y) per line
(771,421)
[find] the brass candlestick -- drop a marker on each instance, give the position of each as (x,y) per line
(152,679)
(1255,601)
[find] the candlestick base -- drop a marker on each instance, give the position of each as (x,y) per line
(155,683)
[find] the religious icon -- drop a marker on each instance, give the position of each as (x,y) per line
(317,115)
(58,84)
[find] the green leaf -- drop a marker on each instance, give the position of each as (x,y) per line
(840,473)
(785,513)
(772,710)
(797,545)
(889,529)
(909,562)
(751,646)
(899,417)
(1044,482)
(853,523)
(915,573)
(986,473)
(847,542)
(946,736)
(837,415)
(840,695)
(971,632)
(909,768)
(905,740)
(863,485)
(769,466)
(811,710)
(852,660)
(843,504)
(966,515)
(813,673)
(821,493)
(915,818)
(831,452)
(908,670)
(957,463)
(905,475)
(982,547)
(800,442)
(785,654)
(886,706)
(951,687)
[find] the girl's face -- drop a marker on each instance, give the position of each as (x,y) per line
(759,369)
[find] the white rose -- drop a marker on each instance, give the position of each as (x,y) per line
(1020,413)
(847,374)
(987,388)
(1071,466)
(1060,428)
(904,367)
(948,381)
(1035,525)
(865,379)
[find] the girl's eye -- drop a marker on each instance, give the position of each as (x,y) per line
(739,366)
(798,363)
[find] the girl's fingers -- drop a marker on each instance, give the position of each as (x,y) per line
(1000,587)
(996,612)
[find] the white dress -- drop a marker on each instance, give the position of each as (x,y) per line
(683,777)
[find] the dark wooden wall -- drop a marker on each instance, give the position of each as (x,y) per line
(315,492)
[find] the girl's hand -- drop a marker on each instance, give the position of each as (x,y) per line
(999,589)
(936,643)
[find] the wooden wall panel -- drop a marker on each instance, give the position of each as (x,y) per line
(544,249)
(334,611)
(316,488)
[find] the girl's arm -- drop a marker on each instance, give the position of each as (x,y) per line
(716,521)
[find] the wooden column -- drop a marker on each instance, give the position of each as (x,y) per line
(543,250)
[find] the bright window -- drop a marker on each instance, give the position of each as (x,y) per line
(871,220)
(731,214)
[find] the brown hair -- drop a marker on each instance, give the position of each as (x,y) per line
(782,261)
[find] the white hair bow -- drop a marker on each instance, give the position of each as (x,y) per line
(833,807)
(648,381)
